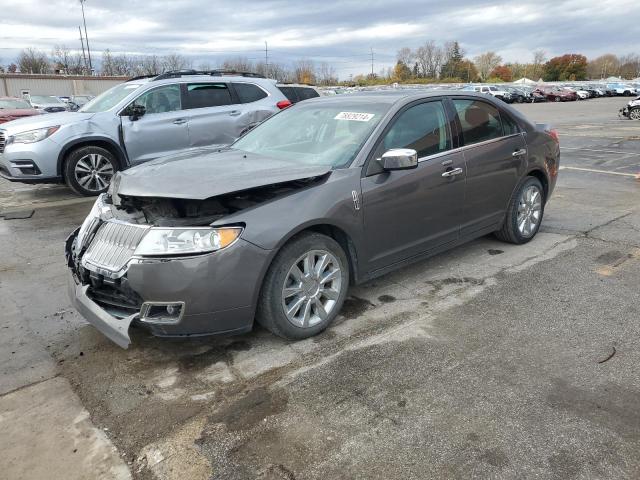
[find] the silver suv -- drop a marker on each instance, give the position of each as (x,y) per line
(134,122)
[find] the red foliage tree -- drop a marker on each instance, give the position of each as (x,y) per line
(503,73)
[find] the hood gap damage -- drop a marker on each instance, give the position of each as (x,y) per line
(178,212)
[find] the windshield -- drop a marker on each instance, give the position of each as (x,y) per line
(45,99)
(11,103)
(110,98)
(316,133)
(493,89)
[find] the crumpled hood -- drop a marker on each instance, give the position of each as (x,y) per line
(45,120)
(205,173)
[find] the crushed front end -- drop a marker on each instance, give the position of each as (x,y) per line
(120,275)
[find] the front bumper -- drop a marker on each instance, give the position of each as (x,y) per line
(219,292)
(30,162)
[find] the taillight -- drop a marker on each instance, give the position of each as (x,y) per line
(283,104)
(553,133)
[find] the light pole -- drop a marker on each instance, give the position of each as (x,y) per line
(86,38)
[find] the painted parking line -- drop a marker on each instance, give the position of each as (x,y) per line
(617,152)
(592,170)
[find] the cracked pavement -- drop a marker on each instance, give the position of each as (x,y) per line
(488,361)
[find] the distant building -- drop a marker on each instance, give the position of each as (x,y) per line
(18,84)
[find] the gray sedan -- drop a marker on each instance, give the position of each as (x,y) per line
(328,193)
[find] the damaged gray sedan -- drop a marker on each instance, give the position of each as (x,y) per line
(329,193)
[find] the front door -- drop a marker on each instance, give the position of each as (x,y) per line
(409,212)
(495,154)
(162,130)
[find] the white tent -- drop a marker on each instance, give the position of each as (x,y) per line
(525,81)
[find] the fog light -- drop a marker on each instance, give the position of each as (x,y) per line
(162,313)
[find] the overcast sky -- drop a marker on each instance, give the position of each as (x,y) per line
(339,32)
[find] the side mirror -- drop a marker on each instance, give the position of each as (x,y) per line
(399,159)
(134,112)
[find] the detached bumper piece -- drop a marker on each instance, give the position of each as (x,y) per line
(116,329)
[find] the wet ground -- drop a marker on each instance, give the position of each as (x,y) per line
(489,361)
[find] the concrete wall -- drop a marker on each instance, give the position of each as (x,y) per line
(12,85)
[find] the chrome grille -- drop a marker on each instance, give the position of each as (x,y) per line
(2,142)
(113,246)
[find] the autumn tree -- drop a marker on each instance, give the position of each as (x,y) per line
(401,72)
(570,66)
(326,74)
(304,72)
(486,62)
(502,72)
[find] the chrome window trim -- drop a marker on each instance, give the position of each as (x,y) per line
(467,147)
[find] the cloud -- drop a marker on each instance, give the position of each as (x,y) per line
(340,32)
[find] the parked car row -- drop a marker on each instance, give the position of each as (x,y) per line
(137,121)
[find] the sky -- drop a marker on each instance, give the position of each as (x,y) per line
(342,33)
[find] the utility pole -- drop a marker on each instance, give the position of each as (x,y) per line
(371,62)
(86,67)
(266,59)
(86,37)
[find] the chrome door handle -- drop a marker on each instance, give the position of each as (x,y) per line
(179,121)
(235,113)
(519,153)
(453,172)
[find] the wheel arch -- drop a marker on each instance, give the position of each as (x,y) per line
(331,230)
(540,175)
(101,142)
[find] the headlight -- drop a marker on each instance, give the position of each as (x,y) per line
(180,241)
(33,136)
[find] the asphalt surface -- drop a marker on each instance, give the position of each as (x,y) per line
(488,361)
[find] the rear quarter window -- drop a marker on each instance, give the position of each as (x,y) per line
(247,92)
(305,93)
(290,93)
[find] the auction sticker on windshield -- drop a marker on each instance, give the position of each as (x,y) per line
(355,116)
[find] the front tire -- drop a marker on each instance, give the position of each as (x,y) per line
(524,214)
(305,287)
(556,99)
(88,170)
(634,114)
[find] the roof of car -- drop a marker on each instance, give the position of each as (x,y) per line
(393,96)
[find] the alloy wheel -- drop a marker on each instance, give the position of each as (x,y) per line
(634,114)
(94,172)
(311,288)
(529,211)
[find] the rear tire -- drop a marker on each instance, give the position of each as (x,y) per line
(294,301)
(556,99)
(526,208)
(89,170)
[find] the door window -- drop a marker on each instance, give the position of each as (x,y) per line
(248,92)
(160,100)
(203,95)
(422,128)
(290,93)
(509,125)
(480,120)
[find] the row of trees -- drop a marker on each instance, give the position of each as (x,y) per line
(428,63)
(63,60)
(432,62)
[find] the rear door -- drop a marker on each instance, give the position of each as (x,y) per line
(495,154)
(409,212)
(161,130)
(213,110)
